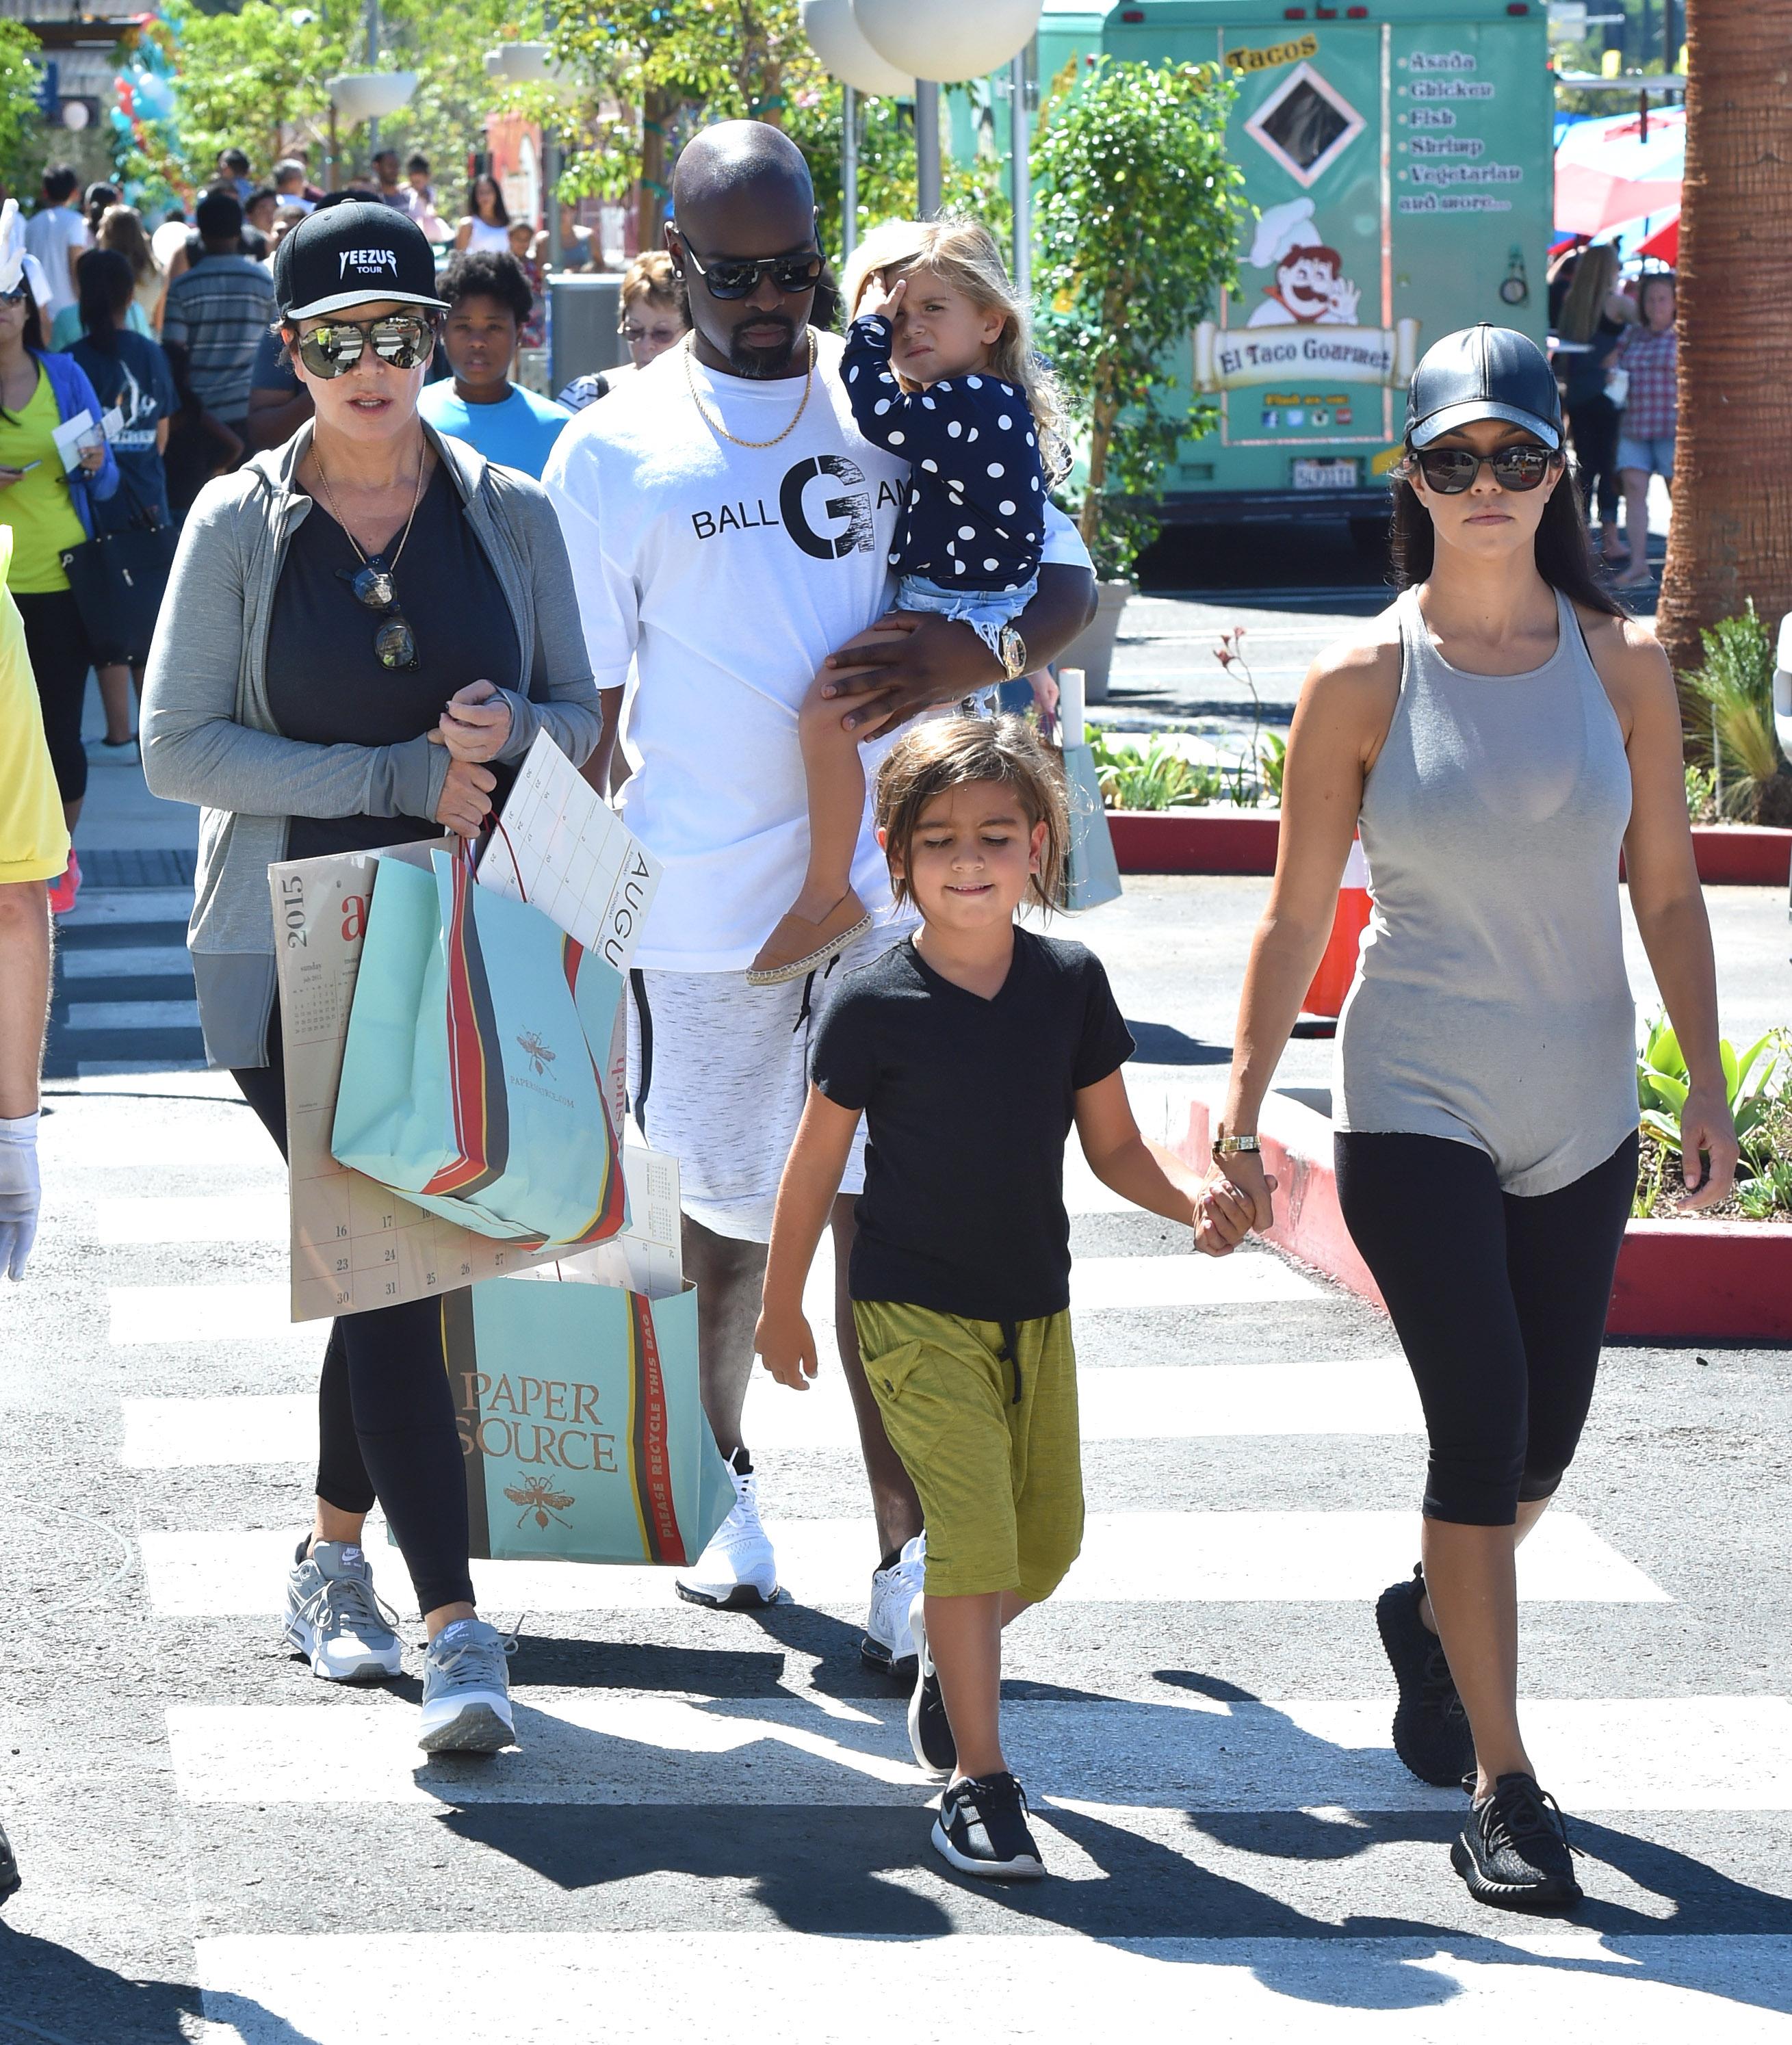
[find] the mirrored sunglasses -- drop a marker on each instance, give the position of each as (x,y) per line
(400,339)
(1450,471)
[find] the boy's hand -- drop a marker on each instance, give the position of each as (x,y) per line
(1224,1216)
(884,304)
(786,1348)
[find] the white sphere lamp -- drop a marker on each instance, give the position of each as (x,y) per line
(947,40)
(370,95)
(837,40)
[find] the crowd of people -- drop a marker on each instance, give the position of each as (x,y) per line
(380,612)
(1617,358)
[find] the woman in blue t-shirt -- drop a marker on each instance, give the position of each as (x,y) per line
(128,372)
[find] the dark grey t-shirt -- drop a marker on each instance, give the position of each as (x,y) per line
(967,1105)
(326,685)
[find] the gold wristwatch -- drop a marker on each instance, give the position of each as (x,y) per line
(1227,1146)
(1012,650)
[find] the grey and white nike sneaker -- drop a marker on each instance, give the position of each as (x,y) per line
(467,1691)
(336,1618)
(737,1571)
(887,1646)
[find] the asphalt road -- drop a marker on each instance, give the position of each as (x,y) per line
(712,1831)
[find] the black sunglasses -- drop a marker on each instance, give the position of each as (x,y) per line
(1450,471)
(730,277)
(399,340)
(395,644)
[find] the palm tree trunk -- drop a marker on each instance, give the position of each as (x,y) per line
(652,192)
(1732,536)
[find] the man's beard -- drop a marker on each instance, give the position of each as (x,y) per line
(763,362)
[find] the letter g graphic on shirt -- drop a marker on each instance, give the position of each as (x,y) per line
(857,536)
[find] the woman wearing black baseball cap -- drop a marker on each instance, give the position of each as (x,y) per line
(1498,734)
(364,628)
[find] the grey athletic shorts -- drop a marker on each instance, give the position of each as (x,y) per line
(718,1074)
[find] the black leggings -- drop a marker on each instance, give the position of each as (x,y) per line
(1592,429)
(1499,1302)
(385,1412)
(56,642)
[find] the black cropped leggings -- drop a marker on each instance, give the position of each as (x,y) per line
(1499,1302)
(385,1412)
(57,642)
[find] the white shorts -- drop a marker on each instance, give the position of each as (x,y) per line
(718,1072)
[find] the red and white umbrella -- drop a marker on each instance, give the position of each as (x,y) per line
(1608,172)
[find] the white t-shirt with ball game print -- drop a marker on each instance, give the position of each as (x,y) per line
(727,574)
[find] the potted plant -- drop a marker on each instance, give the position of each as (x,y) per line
(1139,214)
(1736,771)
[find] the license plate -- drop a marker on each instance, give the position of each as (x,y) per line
(1311,474)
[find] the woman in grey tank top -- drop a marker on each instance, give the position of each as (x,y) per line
(1498,736)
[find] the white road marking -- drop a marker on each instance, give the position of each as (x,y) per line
(1147,1403)
(131,962)
(715,1988)
(130,905)
(116,1139)
(1184,1753)
(181,1013)
(210,1314)
(1098,1283)
(198,1218)
(1127,1558)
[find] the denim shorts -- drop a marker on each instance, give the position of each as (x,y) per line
(985,610)
(1654,457)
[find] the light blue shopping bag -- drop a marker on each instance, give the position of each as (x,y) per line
(473,1074)
(582,1431)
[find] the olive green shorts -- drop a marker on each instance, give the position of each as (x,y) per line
(1000,1483)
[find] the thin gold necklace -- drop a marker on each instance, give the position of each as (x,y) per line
(416,498)
(716,426)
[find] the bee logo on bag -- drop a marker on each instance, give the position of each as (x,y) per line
(536,1497)
(540,1057)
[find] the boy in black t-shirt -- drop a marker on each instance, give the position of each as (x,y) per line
(960,1275)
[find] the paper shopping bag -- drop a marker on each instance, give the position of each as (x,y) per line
(1092,875)
(473,1074)
(582,1433)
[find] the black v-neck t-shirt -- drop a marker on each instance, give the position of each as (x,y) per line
(968,1104)
(326,685)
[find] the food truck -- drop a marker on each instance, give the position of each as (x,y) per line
(1397,158)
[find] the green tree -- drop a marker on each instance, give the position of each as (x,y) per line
(1140,213)
(252,80)
(21,120)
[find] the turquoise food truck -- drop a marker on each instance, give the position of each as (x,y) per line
(1398,157)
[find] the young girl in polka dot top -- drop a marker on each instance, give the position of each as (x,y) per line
(940,370)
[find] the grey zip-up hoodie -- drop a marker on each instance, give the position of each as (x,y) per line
(209,738)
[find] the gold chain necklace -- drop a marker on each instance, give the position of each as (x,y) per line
(416,498)
(716,426)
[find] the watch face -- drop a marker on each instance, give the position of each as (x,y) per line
(1014,651)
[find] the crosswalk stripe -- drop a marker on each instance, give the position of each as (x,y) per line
(1183,1752)
(221,1140)
(179,1011)
(1144,1402)
(716,1988)
(172,962)
(251,1313)
(198,1218)
(1127,1558)
(127,905)
(1098,1283)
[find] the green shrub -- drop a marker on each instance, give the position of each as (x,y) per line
(1152,780)
(1727,710)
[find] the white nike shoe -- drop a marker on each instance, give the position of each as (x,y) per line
(888,1645)
(738,1571)
(335,1618)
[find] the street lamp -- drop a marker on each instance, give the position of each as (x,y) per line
(944,41)
(837,40)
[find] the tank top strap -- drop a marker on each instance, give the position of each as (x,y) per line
(1415,642)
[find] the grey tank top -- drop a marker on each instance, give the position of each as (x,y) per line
(1491,1004)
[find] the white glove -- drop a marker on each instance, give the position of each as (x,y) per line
(20,1193)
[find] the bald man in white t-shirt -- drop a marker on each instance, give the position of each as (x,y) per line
(729,529)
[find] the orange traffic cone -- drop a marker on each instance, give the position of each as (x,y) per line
(1325,998)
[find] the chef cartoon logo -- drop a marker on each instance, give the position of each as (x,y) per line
(1306,286)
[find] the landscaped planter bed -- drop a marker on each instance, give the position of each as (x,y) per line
(1703,1280)
(1218,840)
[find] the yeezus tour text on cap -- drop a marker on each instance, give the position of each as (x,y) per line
(347,255)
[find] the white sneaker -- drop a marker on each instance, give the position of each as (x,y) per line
(336,1618)
(887,1643)
(738,1571)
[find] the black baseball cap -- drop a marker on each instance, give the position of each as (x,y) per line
(343,256)
(1483,372)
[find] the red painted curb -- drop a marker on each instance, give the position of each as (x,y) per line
(1220,841)
(1677,1281)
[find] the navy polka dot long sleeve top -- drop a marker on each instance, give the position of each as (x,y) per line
(975,517)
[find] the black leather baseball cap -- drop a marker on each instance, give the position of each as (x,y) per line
(1483,372)
(347,255)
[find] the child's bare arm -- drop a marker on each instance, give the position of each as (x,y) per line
(782,1341)
(1151,1177)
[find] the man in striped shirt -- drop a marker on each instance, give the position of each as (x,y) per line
(218,309)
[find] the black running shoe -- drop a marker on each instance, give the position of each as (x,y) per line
(1513,1852)
(981,1829)
(930,1731)
(1430,1729)
(9,1869)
